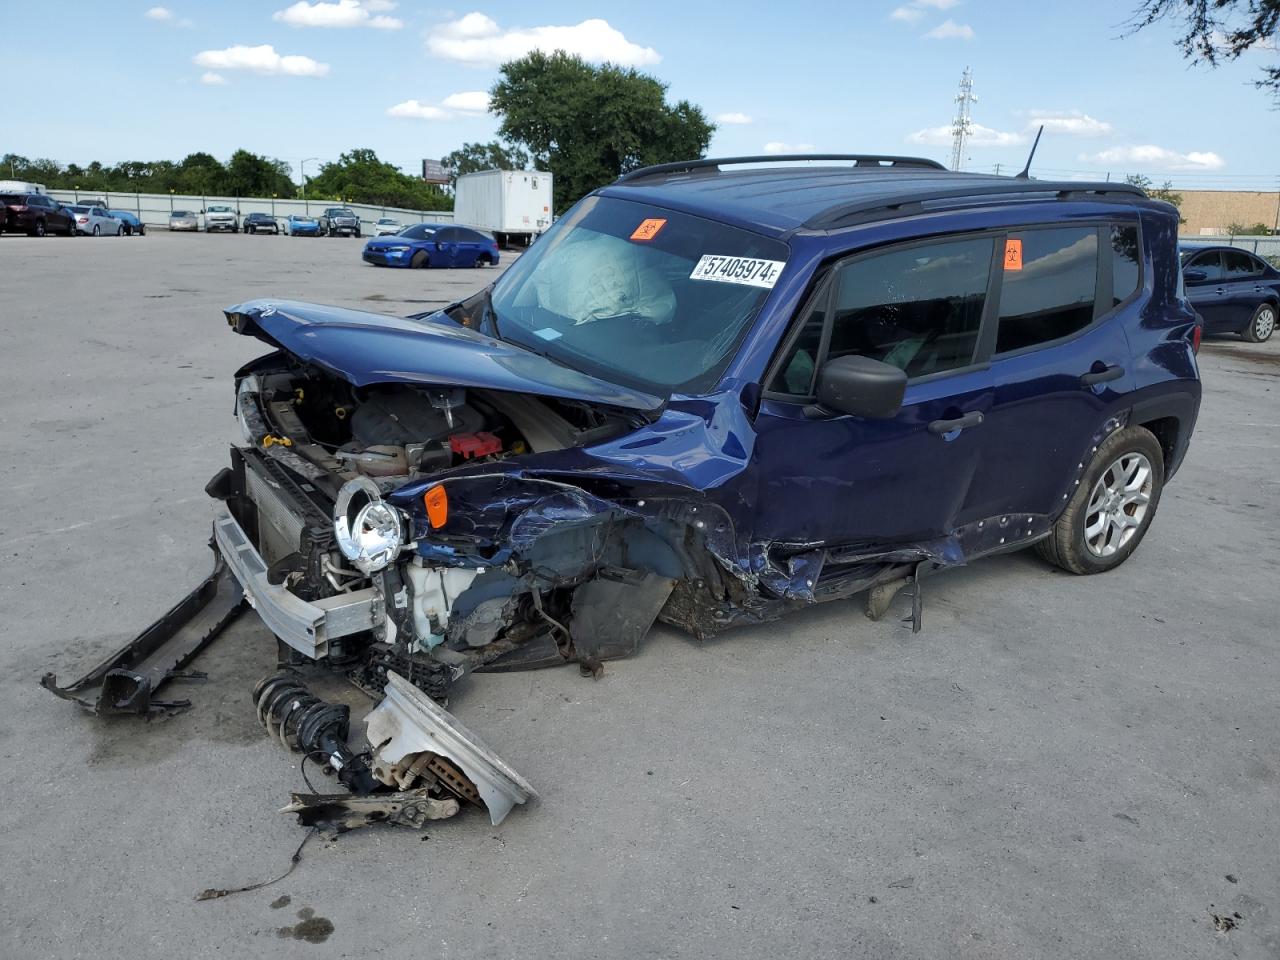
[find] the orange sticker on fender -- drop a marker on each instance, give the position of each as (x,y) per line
(1013,254)
(648,229)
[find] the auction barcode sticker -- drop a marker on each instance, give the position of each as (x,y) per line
(744,270)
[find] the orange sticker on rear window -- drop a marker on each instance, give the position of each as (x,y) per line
(648,229)
(1013,254)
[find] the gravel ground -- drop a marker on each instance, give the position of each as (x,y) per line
(1055,767)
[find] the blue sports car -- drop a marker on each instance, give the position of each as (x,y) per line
(299,226)
(433,245)
(131,223)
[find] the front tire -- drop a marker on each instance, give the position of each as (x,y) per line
(38,229)
(419,259)
(1261,325)
(1112,506)
(97,230)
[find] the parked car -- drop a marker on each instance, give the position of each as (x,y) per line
(101,204)
(186,220)
(130,223)
(387,225)
(433,245)
(340,221)
(261,223)
(35,214)
(1235,291)
(221,217)
(300,225)
(711,399)
(95,221)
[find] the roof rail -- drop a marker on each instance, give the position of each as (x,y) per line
(869,208)
(859,159)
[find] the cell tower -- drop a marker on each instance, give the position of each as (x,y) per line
(962,126)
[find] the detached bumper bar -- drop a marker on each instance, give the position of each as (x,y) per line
(306,626)
(127,681)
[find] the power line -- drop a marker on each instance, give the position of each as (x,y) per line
(962,126)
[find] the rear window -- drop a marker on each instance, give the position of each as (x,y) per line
(1240,265)
(1050,293)
(12,198)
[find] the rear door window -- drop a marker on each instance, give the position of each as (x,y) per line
(1049,289)
(1239,265)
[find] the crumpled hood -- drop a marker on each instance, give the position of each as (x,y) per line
(368,348)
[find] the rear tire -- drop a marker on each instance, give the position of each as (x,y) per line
(1261,325)
(38,230)
(97,230)
(1112,507)
(419,259)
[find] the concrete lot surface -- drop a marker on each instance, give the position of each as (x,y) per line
(1056,767)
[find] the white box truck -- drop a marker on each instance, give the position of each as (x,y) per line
(513,205)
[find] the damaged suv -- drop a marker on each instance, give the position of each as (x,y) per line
(713,392)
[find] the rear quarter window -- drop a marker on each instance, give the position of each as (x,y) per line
(1126,259)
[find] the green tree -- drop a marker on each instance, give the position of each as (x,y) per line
(1218,31)
(587,124)
(1259,229)
(1163,192)
(474,157)
(360,177)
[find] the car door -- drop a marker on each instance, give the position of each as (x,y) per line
(1207,293)
(446,244)
(1060,366)
(844,480)
(1242,281)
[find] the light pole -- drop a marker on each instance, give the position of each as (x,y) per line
(302,172)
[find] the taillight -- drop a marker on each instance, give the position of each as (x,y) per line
(83,220)
(1197,332)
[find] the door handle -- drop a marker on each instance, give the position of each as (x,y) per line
(970,419)
(1113,372)
(1221,291)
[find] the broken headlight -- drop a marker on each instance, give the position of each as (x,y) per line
(369,531)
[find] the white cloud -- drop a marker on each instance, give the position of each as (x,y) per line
(470,101)
(413,110)
(260,59)
(979,136)
(775,146)
(1160,158)
(906,14)
(937,4)
(163,14)
(343,13)
(913,11)
(1069,122)
(950,30)
(477,40)
(211,79)
(733,118)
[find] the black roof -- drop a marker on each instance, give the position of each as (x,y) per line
(791,194)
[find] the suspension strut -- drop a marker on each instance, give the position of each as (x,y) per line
(302,721)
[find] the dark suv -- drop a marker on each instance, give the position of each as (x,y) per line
(710,394)
(35,214)
(340,221)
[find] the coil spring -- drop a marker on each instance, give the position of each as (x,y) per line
(295,716)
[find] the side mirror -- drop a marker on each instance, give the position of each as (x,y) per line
(1195,276)
(861,387)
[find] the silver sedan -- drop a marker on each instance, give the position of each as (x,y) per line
(95,221)
(184,220)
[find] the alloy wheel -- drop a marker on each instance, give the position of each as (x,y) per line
(1264,324)
(1118,504)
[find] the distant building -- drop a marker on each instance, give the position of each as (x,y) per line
(1210,212)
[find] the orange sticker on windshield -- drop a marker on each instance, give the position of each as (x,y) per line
(1013,254)
(648,229)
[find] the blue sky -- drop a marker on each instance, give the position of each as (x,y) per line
(312,79)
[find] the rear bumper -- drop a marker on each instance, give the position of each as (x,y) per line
(306,626)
